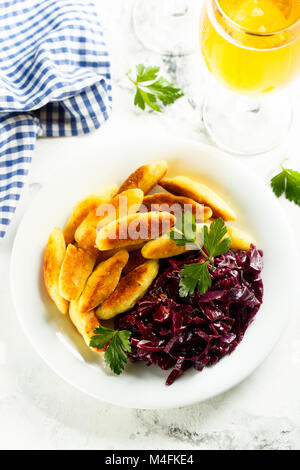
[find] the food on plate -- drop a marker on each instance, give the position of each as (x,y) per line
(53,259)
(135,259)
(85,323)
(178,333)
(145,177)
(129,290)
(116,344)
(169,203)
(104,255)
(184,186)
(82,209)
(75,270)
(181,285)
(133,229)
(239,239)
(127,202)
(164,247)
(103,281)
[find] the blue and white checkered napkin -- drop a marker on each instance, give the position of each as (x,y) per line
(54,81)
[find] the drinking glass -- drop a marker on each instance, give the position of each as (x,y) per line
(167,26)
(252,48)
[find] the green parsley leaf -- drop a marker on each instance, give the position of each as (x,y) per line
(212,238)
(115,353)
(124,336)
(288,183)
(189,279)
(185,230)
(146,74)
(114,356)
(214,243)
(204,279)
(192,275)
(152,90)
(188,226)
(102,337)
(139,100)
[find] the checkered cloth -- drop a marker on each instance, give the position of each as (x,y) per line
(54,81)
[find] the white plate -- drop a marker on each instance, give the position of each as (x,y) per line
(60,345)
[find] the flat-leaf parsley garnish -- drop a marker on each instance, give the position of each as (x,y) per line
(115,353)
(214,243)
(152,90)
(287,182)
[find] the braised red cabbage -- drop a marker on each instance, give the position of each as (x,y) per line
(197,331)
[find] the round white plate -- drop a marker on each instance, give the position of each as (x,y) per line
(55,338)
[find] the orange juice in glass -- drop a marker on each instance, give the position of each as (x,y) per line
(252,47)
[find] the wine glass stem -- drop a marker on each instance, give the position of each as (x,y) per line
(246,125)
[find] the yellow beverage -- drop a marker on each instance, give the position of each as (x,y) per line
(251,46)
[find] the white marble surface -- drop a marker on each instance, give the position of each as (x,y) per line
(38,410)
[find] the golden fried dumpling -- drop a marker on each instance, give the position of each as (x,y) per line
(104,255)
(164,247)
(85,323)
(76,268)
(145,177)
(103,281)
(133,229)
(82,209)
(176,204)
(130,289)
(53,259)
(240,240)
(184,186)
(128,202)
(135,259)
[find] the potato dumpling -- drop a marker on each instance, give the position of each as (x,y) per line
(239,239)
(53,259)
(184,186)
(164,247)
(104,255)
(145,177)
(135,259)
(85,323)
(166,202)
(76,268)
(133,229)
(81,210)
(103,281)
(128,202)
(130,289)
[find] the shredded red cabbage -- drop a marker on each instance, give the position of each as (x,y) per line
(197,331)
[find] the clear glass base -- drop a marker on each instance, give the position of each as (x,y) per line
(247,126)
(168,27)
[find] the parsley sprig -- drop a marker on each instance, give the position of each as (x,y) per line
(115,353)
(152,90)
(287,182)
(210,242)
